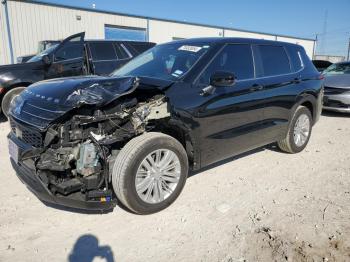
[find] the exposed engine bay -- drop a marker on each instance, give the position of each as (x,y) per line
(79,150)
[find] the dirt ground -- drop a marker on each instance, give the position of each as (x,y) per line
(262,206)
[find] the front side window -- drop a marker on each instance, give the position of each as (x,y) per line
(102,51)
(271,60)
(167,61)
(234,58)
(69,51)
(338,69)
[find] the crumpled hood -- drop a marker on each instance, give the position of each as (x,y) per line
(73,92)
(338,81)
(43,102)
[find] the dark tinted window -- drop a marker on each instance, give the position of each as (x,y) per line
(102,51)
(271,60)
(140,47)
(69,51)
(296,58)
(235,58)
(121,52)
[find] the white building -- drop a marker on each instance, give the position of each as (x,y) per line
(24,23)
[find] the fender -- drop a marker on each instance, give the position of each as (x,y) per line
(310,100)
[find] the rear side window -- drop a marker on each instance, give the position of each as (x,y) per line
(271,60)
(102,51)
(121,52)
(295,54)
(234,58)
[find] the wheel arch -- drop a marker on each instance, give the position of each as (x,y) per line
(15,85)
(309,101)
(177,130)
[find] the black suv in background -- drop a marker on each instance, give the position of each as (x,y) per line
(42,46)
(73,56)
(132,137)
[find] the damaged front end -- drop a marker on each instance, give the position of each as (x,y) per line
(65,153)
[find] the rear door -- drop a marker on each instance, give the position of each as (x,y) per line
(68,58)
(280,83)
(103,57)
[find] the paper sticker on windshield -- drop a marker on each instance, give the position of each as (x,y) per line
(190,48)
(177,73)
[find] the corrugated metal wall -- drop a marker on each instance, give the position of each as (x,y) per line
(32,22)
(235,33)
(162,31)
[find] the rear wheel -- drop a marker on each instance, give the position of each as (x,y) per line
(150,173)
(299,131)
(6,101)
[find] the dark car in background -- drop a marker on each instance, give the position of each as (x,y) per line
(88,142)
(73,56)
(42,46)
(337,87)
(321,64)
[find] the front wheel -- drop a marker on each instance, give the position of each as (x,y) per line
(150,172)
(8,97)
(299,131)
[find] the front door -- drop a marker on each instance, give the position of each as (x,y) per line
(68,58)
(228,120)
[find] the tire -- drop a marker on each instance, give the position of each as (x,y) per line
(6,101)
(289,144)
(129,161)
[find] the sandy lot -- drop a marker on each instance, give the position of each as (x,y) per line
(263,206)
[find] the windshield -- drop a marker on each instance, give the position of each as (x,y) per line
(167,62)
(338,69)
(40,55)
(41,47)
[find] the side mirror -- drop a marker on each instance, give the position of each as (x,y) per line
(46,60)
(222,78)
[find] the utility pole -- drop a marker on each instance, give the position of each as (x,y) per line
(348,51)
(324,34)
(314,48)
(8,29)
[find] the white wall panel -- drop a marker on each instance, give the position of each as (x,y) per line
(236,33)
(162,31)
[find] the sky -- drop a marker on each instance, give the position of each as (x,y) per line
(302,18)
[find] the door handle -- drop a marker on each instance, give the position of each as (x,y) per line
(256,87)
(296,80)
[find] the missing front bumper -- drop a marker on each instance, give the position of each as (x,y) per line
(77,200)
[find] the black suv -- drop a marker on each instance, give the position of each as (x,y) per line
(91,141)
(42,46)
(73,56)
